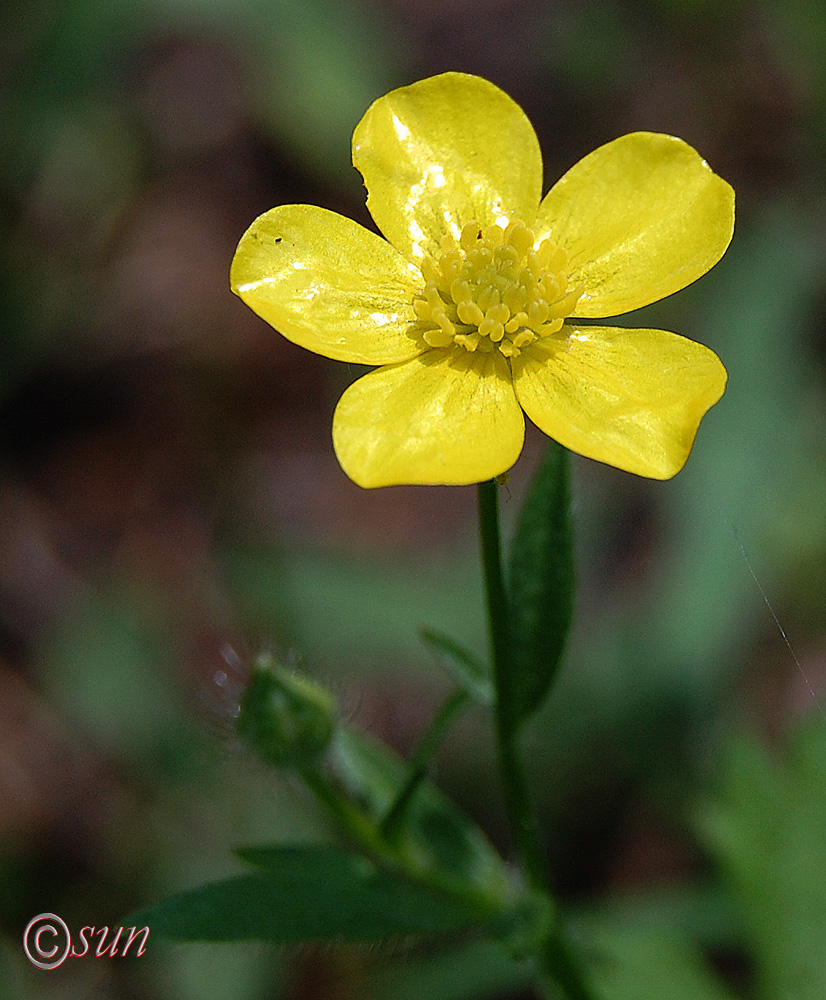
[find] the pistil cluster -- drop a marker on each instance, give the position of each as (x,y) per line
(494,289)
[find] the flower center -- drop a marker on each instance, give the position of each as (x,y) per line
(495,288)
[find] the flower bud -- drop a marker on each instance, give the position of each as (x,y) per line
(288,719)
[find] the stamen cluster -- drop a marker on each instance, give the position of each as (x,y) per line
(495,288)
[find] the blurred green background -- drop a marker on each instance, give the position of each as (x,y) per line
(170,502)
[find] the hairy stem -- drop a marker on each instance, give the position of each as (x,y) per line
(557,961)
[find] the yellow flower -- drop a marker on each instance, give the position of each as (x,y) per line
(466,304)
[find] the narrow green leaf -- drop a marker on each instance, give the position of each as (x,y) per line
(306,893)
(441,843)
(541,583)
(465,668)
(475,970)
(395,821)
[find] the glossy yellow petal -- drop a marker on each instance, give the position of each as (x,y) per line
(630,398)
(328,284)
(641,217)
(444,152)
(442,418)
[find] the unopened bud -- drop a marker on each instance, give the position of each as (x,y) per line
(288,719)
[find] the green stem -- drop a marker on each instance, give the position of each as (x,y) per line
(557,960)
(352,819)
(420,761)
(561,966)
(366,833)
(517,800)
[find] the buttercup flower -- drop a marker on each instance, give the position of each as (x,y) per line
(467,303)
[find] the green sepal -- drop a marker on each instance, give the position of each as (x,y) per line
(540,585)
(306,893)
(286,718)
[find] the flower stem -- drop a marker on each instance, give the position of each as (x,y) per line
(557,961)
(561,966)
(422,758)
(517,801)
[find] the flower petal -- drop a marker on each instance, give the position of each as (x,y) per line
(631,398)
(641,217)
(443,418)
(328,284)
(443,152)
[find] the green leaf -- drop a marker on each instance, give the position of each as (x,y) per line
(475,970)
(768,830)
(396,819)
(306,893)
(465,668)
(541,583)
(650,964)
(439,841)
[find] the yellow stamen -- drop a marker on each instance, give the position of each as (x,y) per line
(496,289)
